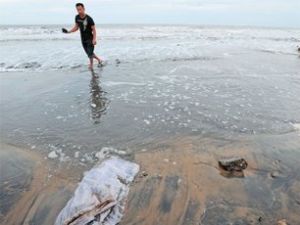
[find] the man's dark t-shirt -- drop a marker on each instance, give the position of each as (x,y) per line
(85,26)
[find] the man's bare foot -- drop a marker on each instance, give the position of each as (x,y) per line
(101,63)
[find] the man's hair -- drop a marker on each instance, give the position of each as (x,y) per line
(80,4)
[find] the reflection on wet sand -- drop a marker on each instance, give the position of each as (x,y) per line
(98,100)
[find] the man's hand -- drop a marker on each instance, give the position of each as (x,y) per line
(64,30)
(94,41)
(74,29)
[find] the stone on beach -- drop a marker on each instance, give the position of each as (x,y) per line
(232,167)
(234,164)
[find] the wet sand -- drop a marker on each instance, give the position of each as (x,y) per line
(184,186)
(16,174)
(179,183)
(32,191)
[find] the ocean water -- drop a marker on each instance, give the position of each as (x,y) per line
(159,82)
(43,48)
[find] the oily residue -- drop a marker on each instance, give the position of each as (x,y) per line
(184,186)
(179,184)
(40,200)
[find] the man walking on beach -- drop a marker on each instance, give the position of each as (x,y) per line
(87,32)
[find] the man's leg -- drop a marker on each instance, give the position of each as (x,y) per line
(97,58)
(91,63)
(89,49)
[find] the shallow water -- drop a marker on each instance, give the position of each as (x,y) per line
(130,105)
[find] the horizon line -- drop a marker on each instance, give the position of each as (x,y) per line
(163,24)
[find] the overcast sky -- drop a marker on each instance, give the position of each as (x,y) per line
(278,13)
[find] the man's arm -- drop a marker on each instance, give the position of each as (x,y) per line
(94,35)
(74,29)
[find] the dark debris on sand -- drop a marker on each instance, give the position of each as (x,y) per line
(232,167)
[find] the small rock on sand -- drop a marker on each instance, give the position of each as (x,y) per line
(276,174)
(233,164)
(144,174)
(232,167)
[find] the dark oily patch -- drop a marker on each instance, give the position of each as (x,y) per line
(39,217)
(261,196)
(142,198)
(48,206)
(280,181)
(232,174)
(16,176)
(169,193)
(294,197)
(232,167)
(220,214)
(190,215)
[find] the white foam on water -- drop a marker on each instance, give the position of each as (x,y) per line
(59,51)
(147,122)
(52,155)
(108,151)
(297,127)
(76,154)
(119,83)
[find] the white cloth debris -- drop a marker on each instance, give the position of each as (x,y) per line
(100,197)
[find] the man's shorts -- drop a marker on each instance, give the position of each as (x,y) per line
(88,48)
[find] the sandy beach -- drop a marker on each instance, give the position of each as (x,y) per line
(33,191)
(175,100)
(179,183)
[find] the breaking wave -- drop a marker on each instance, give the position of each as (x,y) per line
(37,66)
(40,48)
